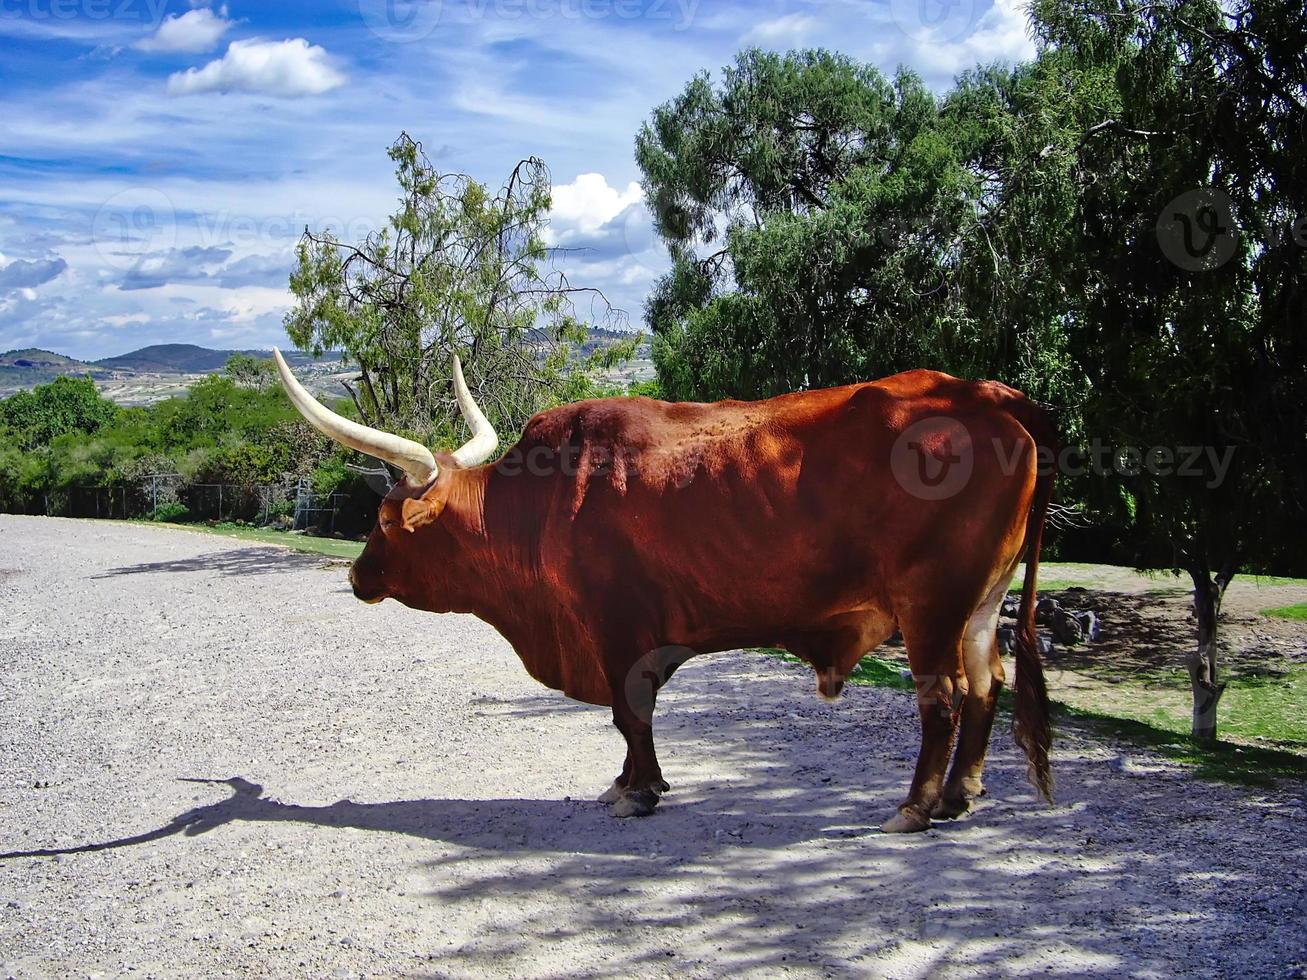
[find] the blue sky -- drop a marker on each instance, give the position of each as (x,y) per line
(159,158)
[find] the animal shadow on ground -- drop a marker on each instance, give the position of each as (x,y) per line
(773,861)
(238,561)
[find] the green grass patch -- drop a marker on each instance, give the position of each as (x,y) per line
(1255,708)
(1263,580)
(262,535)
(1296,611)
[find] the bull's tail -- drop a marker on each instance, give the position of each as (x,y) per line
(1030,722)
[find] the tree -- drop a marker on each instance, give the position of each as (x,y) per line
(822,220)
(1184,123)
(64,405)
(456,269)
(249,371)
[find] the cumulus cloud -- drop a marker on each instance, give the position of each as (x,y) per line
(24,274)
(196,30)
(288,69)
(606,221)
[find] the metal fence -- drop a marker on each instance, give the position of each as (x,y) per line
(291,505)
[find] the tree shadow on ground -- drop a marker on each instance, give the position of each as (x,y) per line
(238,561)
(1136,871)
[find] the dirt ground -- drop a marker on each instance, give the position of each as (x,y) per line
(243,771)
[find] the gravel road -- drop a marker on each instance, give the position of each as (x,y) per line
(250,773)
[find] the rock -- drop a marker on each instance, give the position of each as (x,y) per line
(1067,627)
(1007,639)
(1044,610)
(1011,606)
(1089,624)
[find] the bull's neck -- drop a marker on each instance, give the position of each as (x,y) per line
(497,557)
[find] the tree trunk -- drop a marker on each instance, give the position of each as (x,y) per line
(1202,662)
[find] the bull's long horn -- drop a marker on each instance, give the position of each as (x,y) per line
(411,457)
(482,445)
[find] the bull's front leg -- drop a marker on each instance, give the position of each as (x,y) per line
(643,776)
(636,791)
(614,792)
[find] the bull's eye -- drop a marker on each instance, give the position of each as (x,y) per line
(387,525)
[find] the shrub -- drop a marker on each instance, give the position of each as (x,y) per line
(172,512)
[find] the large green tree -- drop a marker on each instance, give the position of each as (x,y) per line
(828,224)
(1178,126)
(810,205)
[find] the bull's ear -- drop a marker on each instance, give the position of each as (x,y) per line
(420,511)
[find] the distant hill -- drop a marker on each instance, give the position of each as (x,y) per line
(32,366)
(162,370)
(141,376)
(173,359)
(34,358)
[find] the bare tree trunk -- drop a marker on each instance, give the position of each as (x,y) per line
(1202,661)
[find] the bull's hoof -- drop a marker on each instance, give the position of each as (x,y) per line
(614,792)
(950,807)
(635,803)
(906,821)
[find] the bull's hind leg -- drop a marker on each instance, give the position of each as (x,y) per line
(934,654)
(984,670)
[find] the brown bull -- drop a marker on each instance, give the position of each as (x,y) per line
(621,535)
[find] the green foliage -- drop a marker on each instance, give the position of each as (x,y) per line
(66,405)
(222,431)
(648,389)
(814,211)
(172,512)
(248,371)
(1139,105)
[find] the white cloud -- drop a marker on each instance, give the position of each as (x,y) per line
(789,29)
(195,30)
(588,203)
(1001,34)
(289,69)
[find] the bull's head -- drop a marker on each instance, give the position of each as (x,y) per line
(387,567)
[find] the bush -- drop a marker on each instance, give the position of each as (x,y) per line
(171,512)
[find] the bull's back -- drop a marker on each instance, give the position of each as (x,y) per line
(748,516)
